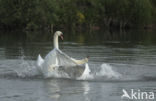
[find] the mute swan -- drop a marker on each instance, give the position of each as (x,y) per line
(56,58)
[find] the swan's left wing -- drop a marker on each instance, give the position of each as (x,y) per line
(72,60)
(80,62)
(64,59)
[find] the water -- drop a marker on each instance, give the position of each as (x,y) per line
(125,60)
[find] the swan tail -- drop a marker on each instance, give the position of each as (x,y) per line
(39,61)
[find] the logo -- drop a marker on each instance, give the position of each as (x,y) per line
(137,95)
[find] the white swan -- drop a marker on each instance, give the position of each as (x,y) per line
(56,58)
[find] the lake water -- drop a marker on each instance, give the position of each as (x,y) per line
(118,60)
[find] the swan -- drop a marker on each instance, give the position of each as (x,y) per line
(57,58)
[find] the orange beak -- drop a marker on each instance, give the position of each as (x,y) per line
(61,37)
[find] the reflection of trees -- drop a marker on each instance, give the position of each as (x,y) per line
(17,44)
(12,42)
(98,37)
(32,43)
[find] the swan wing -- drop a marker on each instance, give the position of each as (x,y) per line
(39,61)
(72,60)
(80,62)
(57,57)
(64,59)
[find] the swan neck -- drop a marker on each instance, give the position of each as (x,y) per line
(56,41)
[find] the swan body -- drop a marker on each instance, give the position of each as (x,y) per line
(56,58)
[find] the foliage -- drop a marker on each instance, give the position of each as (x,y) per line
(45,14)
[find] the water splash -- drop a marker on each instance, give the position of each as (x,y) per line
(105,73)
(27,69)
(30,69)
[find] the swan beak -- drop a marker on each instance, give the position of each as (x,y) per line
(61,37)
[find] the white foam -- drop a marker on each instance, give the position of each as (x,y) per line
(107,72)
(104,72)
(27,69)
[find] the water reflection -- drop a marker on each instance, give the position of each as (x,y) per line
(53,89)
(95,37)
(86,87)
(58,90)
(30,44)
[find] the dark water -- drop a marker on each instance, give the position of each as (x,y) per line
(118,60)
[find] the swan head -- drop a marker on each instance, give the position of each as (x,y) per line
(59,33)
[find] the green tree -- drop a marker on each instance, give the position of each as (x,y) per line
(142,12)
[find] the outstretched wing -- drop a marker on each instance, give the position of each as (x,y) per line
(70,59)
(62,58)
